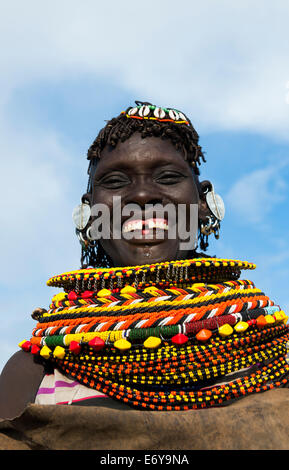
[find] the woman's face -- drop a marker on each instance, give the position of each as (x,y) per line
(144,172)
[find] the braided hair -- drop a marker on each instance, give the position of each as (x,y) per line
(182,135)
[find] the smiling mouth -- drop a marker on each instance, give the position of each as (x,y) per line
(151,229)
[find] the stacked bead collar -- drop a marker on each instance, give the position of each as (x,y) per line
(160,336)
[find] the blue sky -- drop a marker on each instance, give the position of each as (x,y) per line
(67,66)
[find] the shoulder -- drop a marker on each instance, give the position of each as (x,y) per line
(19,382)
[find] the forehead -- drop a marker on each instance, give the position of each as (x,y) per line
(136,153)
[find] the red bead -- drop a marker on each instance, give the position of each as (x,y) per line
(75,347)
(179,339)
(203,335)
(86,294)
(72,295)
(96,343)
(35,349)
(26,346)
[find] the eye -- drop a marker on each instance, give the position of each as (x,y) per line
(169,177)
(113,181)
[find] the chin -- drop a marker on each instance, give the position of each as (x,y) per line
(133,255)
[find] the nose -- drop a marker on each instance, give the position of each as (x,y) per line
(143,192)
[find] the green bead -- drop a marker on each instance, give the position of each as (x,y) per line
(52,341)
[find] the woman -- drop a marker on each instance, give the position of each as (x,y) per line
(148,323)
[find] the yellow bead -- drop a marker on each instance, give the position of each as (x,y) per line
(59,352)
(45,352)
(128,290)
(225,330)
(241,326)
(152,342)
(59,297)
(284,317)
(150,290)
(269,319)
(122,344)
(278,317)
(22,342)
(104,293)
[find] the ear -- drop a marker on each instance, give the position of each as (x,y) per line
(87,197)
(204,211)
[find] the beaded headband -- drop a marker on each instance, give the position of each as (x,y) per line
(156,113)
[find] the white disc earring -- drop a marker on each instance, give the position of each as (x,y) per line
(81,215)
(215,204)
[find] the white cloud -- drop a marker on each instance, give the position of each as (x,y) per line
(254,195)
(224,63)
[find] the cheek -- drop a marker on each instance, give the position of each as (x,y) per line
(186,194)
(100,196)
(106,202)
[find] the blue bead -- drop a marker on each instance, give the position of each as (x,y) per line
(271,310)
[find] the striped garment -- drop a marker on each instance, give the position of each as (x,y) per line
(56,389)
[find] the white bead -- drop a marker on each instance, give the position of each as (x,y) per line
(159,113)
(174,115)
(182,117)
(132,111)
(144,111)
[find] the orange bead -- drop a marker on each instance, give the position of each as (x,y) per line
(203,335)
(261,321)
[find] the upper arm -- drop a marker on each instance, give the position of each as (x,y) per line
(19,383)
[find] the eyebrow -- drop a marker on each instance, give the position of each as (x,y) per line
(131,164)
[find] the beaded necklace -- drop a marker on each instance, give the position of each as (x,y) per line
(177,335)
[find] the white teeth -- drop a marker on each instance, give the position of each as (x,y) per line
(133,225)
(149,223)
(157,224)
